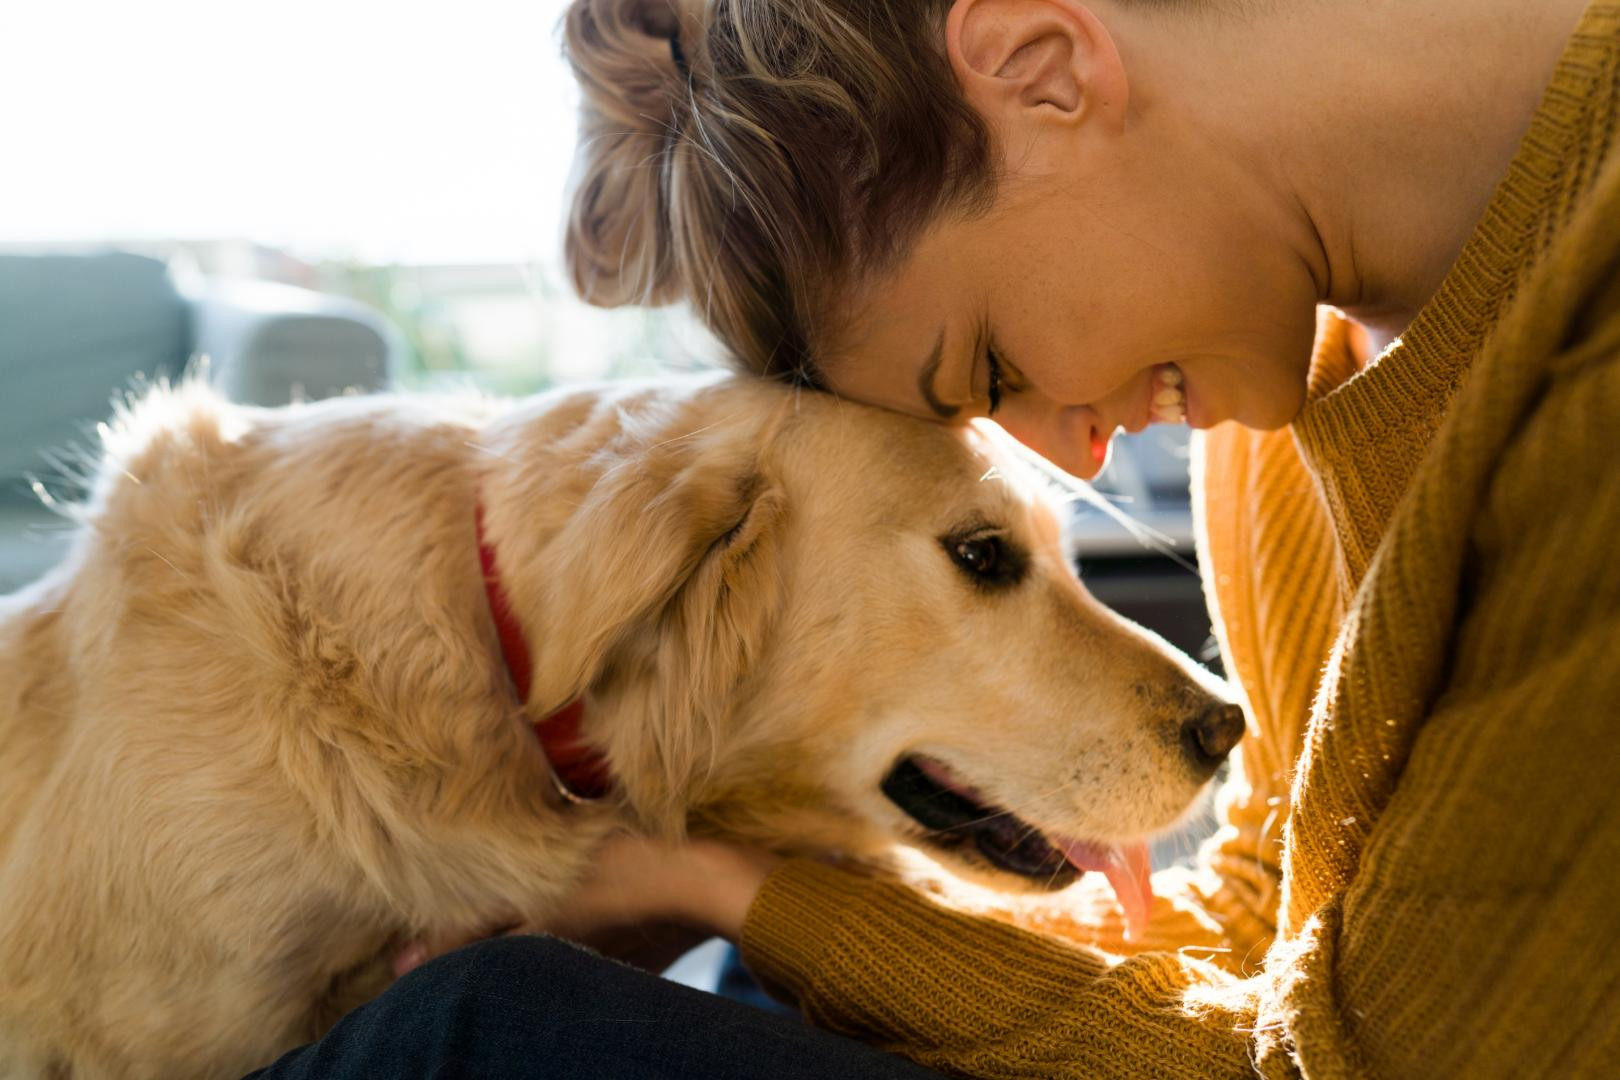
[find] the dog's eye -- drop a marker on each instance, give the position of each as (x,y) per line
(978,557)
(988,560)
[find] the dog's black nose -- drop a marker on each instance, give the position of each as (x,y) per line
(1208,737)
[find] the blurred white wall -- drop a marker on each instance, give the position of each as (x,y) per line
(381,131)
(412,154)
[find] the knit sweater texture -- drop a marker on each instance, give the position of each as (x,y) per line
(1417,589)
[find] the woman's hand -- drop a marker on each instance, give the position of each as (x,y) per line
(645,902)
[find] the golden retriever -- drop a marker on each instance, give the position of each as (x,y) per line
(257,731)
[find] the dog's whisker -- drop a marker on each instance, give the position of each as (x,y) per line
(490,451)
(1016,810)
(688,436)
(639,461)
(154,553)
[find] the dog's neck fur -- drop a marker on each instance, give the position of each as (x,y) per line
(579,773)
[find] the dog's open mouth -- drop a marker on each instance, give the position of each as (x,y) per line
(954,815)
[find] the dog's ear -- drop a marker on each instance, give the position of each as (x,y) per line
(676,675)
(658,588)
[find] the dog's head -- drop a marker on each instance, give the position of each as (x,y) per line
(820,626)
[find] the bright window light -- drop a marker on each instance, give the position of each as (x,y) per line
(415,154)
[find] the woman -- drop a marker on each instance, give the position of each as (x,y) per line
(1080,217)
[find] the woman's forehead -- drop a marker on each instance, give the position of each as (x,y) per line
(919,313)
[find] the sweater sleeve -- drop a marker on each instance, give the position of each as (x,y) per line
(975,997)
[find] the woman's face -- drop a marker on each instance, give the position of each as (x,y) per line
(1086,309)
(1128,252)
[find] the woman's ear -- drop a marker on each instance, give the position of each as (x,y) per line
(1026,65)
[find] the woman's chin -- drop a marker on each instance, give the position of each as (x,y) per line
(1267,412)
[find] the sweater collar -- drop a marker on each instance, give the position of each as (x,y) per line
(1363,433)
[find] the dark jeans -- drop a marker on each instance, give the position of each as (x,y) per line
(526,1007)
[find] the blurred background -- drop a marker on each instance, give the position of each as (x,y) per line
(361,194)
(412,155)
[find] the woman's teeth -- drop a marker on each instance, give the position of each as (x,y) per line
(1169,396)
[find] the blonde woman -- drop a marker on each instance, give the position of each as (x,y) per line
(1372,251)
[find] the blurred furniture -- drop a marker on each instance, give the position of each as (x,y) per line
(78,330)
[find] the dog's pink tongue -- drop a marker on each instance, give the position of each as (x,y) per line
(1127,869)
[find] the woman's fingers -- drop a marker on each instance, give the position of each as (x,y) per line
(416,953)
(643,900)
(704,885)
(408,959)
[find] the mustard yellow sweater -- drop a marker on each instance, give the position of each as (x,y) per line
(1418,589)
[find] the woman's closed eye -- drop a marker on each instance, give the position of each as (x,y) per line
(997,378)
(1004,378)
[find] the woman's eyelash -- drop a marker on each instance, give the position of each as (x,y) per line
(994,364)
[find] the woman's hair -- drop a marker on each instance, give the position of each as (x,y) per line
(758,157)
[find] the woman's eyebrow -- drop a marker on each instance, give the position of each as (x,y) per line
(925,381)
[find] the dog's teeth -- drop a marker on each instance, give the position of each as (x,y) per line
(1171,375)
(1168,396)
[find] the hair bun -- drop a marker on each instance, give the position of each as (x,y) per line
(619,244)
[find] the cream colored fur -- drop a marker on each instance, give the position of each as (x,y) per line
(255,733)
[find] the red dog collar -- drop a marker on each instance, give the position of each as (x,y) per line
(579,772)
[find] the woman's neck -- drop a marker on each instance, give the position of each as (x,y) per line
(1380,129)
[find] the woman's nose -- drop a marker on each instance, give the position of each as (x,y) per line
(1067,436)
